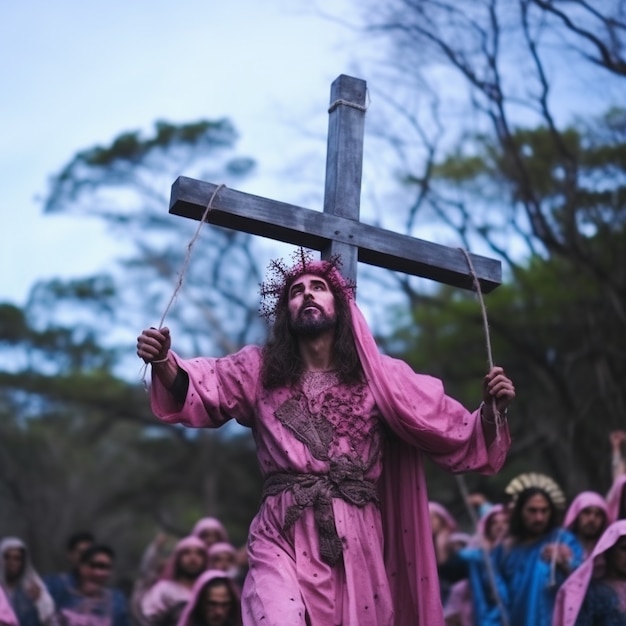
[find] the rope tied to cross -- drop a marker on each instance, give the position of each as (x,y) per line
(183,271)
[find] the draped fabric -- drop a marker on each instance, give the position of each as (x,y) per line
(571,595)
(29,612)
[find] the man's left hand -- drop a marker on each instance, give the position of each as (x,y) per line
(496,384)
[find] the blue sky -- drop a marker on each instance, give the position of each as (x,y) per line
(75,74)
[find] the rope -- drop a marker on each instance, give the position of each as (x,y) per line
(348,103)
(183,271)
(497,417)
(498,421)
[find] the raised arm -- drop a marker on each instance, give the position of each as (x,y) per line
(153,346)
(618,463)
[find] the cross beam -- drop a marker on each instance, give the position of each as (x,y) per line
(336,230)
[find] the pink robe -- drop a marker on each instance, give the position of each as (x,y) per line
(388,575)
(7,615)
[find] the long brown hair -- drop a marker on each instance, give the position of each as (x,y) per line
(282,361)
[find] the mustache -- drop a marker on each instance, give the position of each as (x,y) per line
(310,304)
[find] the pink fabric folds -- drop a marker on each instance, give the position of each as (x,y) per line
(571,595)
(7,615)
(424,420)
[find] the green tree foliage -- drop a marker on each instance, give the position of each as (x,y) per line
(558,325)
(126,185)
(499,150)
(80,449)
(79,446)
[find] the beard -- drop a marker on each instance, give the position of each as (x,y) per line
(311,326)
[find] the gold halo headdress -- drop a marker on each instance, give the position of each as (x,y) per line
(537,481)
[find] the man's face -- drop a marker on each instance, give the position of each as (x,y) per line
(591,521)
(536,514)
(222,560)
(617,558)
(13,563)
(98,569)
(210,536)
(192,562)
(217,604)
(311,306)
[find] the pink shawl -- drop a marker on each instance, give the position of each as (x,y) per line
(210,523)
(584,500)
(571,594)
(444,514)
(7,615)
(404,399)
(614,497)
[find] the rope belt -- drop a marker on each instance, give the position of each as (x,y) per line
(317,491)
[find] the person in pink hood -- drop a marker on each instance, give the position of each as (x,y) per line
(215,601)
(342,535)
(587,518)
(210,530)
(164,602)
(595,593)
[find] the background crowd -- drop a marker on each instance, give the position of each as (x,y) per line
(532,559)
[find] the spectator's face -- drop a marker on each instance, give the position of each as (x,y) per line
(536,514)
(217,605)
(13,563)
(498,526)
(591,521)
(210,536)
(192,561)
(222,560)
(99,568)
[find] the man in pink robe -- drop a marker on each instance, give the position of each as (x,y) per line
(343,534)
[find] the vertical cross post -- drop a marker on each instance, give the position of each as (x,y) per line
(344,164)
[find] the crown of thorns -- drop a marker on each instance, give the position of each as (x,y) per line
(280,276)
(539,481)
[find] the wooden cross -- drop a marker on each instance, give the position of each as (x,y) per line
(337,230)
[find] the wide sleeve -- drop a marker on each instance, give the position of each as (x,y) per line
(219,390)
(419,411)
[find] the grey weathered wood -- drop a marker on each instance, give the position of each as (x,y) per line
(336,230)
(344,163)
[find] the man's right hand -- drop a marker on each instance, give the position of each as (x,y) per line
(153,344)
